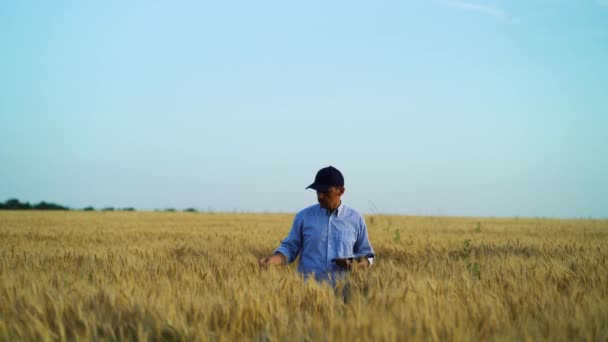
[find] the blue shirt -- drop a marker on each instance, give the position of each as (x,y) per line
(321,237)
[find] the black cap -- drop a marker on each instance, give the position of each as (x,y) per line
(326,178)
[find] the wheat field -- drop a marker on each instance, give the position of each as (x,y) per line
(194,276)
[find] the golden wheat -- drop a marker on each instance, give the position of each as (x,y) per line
(194,276)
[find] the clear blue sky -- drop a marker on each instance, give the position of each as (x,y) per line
(474,108)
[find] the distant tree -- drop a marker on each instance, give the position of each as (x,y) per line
(89,208)
(108,209)
(190,210)
(14,204)
(169,209)
(128,209)
(49,206)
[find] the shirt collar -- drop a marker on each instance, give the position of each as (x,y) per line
(337,212)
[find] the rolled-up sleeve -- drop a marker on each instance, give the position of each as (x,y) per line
(362,245)
(292,245)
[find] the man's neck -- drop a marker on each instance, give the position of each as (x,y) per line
(331,210)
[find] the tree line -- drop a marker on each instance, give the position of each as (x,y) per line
(15,204)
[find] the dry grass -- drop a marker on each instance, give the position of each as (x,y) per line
(193,276)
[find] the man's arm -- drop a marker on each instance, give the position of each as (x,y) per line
(277,259)
(289,248)
(362,245)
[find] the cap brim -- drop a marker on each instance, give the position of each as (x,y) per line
(319,187)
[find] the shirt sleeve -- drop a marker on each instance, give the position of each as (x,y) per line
(362,245)
(292,245)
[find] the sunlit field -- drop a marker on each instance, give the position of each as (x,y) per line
(194,276)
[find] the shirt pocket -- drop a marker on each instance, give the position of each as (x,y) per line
(347,237)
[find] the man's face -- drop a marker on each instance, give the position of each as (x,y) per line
(330,199)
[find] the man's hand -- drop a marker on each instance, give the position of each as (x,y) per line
(344,263)
(276,259)
(351,263)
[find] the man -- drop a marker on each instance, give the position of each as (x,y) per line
(331,236)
